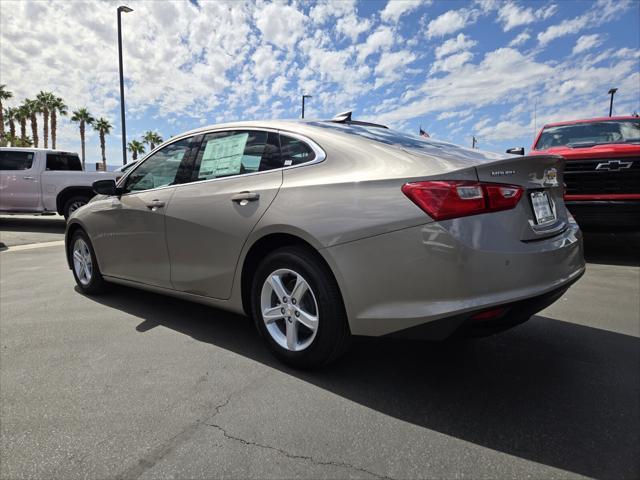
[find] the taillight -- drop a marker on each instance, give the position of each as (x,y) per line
(443,199)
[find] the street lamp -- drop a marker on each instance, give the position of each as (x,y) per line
(612,92)
(121,9)
(303,98)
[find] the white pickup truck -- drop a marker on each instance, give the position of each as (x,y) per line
(36,180)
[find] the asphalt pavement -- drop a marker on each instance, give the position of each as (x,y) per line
(135,385)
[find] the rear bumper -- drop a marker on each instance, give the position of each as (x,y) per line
(430,273)
(606,213)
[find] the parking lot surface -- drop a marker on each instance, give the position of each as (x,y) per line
(136,385)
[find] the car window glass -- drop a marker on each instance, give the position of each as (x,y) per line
(223,154)
(62,161)
(16,160)
(161,169)
(294,151)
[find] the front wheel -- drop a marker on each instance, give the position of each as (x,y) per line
(85,266)
(74,203)
(298,309)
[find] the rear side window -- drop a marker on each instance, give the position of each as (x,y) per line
(225,154)
(63,161)
(294,151)
(16,160)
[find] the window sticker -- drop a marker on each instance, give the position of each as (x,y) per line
(223,156)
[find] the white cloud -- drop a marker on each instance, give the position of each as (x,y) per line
(396,8)
(282,25)
(512,15)
(520,39)
(602,11)
(461,42)
(451,63)
(391,66)
(383,38)
(587,42)
(324,10)
(351,26)
(449,22)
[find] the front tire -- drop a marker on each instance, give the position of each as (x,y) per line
(74,203)
(298,309)
(85,266)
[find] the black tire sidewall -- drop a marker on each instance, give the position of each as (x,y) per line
(75,198)
(332,319)
(97,284)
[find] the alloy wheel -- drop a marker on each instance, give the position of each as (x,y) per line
(82,263)
(289,309)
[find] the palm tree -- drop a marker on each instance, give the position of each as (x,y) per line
(17,141)
(103,127)
(152,139)
(33,109)
(4,95)
(135,147)
(21,116)
(45,102)
(9,116)
(57,107)
(83,117)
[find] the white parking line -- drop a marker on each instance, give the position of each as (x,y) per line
(34,245)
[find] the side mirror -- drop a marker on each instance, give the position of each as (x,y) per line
(105,187)
(516,151)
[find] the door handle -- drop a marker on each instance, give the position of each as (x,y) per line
(29,178)
(245,197)
(155,204)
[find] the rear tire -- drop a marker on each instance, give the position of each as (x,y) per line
(290,331)
(74,203)
(85,266)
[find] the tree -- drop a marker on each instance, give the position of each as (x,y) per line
(14,141)
(103,127)
(4,95)
(33,109)
(9,116)
(57,107)
(45,103)
(152,139)
(84,118)
(135,147)
(21,116)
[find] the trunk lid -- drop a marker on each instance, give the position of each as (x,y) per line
(541,176)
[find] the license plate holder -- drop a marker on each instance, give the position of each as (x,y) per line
(542,207)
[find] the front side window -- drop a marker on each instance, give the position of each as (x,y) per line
(294,151)
(590,133)
(165,167)
(63,161)
(15,160)
(224,154)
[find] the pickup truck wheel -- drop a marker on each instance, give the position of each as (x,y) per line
(85,266)
(73,204)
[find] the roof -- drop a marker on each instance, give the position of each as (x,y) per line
(33,149)
(591,120)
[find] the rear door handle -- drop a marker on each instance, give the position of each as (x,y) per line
(29,178)
(155,204)
(245,197)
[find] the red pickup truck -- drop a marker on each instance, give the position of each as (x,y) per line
(602,173)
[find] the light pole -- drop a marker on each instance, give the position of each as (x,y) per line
(303,98)
(121,9)
(612,92)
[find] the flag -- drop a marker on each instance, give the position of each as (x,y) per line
(423,133)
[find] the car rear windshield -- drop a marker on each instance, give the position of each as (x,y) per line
(589,134)
(15,160)
(63,161)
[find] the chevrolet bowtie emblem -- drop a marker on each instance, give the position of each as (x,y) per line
(613,165)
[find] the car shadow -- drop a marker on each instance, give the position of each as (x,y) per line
(556,393)
(40,224)
(620,247)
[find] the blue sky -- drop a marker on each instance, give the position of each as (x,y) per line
(458,68)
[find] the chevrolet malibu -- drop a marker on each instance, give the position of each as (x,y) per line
(322,230)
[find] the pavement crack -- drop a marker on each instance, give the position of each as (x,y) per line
(296,456)
(155,456)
